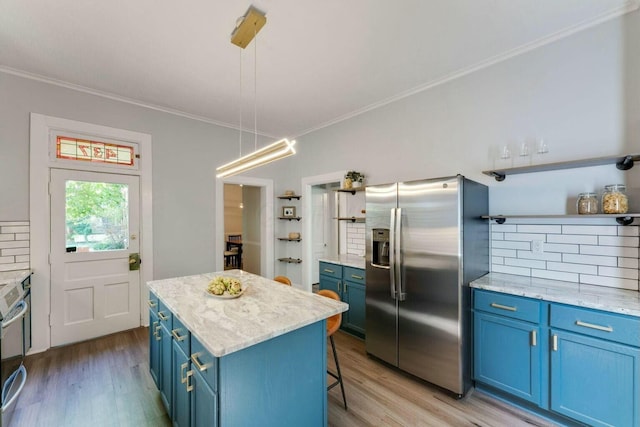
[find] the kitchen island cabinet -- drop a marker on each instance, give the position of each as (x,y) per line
(567,351)
(256,359)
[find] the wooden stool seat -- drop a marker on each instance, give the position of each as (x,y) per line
(333,324)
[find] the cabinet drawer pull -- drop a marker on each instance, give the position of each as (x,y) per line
(157,334)
(592,326)
(152,303)
(189,385)
(163,316)
(174,332)
(194,359)
(326,270)
(503,307)
(554,343)
(534,338)
(339,287)
(155,329)
(183,367)
(357,277)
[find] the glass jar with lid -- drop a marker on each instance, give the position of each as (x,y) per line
(587,203)
(614,199)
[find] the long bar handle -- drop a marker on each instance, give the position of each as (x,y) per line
(189,385)
(154,326)
(392,248)
(554,343)
(503,307)
(200,366)
(326,270)
(401,291)
(174,332)
(534,338)
(593,326)
(353,276)
(183,367)
(156,333)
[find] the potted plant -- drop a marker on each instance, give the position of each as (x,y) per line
(353,179)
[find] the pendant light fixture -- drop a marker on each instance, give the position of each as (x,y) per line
(246,30)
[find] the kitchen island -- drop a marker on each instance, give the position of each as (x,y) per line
(256,359)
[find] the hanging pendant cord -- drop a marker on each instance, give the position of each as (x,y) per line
(255,87)
(240,141)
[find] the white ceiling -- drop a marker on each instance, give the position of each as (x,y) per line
(318,61)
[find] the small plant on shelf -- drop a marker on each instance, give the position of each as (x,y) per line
(353,179)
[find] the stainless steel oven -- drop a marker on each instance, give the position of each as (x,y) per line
(13,308)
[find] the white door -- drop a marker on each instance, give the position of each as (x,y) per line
(94,229)
(319,216)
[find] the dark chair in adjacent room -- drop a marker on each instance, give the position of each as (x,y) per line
(283,279)
(233,252)
(333,323)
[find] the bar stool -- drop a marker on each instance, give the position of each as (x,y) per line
(283,279)
(333,323)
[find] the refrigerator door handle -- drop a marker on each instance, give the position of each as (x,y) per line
(392,249)
(400,292)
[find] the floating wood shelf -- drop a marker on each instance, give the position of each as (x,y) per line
(293,196)
(286,239)
(351,218)
(622,162)
(296,218)
(622,219)
(290,260)
(350,190)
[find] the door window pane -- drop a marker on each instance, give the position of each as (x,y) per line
(97,216)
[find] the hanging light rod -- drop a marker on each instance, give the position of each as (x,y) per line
(249,25)
(272,152)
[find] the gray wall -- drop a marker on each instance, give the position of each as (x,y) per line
(580,93)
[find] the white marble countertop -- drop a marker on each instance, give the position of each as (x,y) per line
(7,277)
(590,296)
(267,309)
(346,259)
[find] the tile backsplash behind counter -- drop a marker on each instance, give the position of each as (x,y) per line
(14,245)
(603,254)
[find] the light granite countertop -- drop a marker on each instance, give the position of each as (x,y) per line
(266,310)
(590,296)
(346,259)
(7,277)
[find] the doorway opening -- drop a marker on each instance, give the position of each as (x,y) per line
(242,227)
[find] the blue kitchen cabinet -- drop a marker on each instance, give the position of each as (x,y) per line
(154,342)
(204,399)
(507,350)
(594,380)
(349,284)
(181,405)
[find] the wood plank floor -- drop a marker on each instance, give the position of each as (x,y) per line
(106,382)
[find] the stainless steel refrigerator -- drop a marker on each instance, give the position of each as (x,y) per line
(425,242)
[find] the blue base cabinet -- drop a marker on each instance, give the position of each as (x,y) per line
(281,381)
(349,284)
(571,364)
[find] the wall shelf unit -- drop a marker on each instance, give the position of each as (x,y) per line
(624,162)
(622,219)
(291,197)
(353,191)
(350,218)
(286,239)
(297,218)
(290,260)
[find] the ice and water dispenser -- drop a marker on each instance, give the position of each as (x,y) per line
(380,252)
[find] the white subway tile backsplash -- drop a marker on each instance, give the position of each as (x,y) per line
(624,273)
(628,262)
(561,247)
(8,236)
(594,253)
(605,230)
(504,252)
(572,238)
(546,256)
(14,266)
(7,259)
(632,231)
(22,236)
(572,268)
(18,251)
(22,258)
(530,263)
(609,251)
(611,282)
(519,271)
(14,244)
(555,275)
(618,241)
(590,259)
(530,228)
(14,229)
(12,223)
(503,244)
